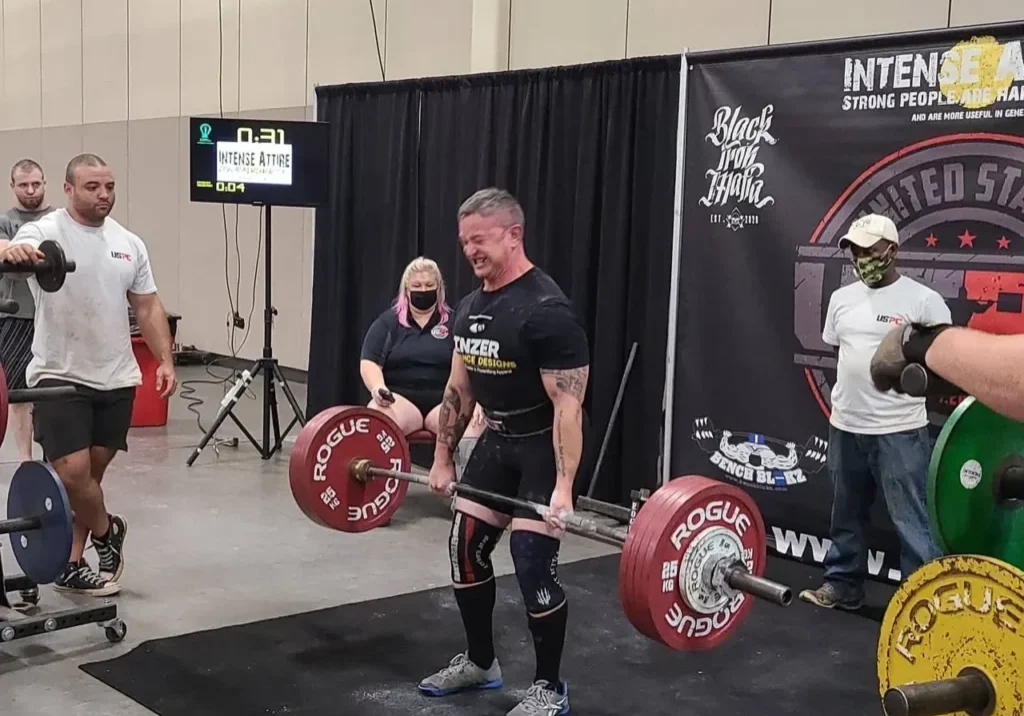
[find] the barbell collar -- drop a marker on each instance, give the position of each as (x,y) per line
(970,691)
(20,524)
(739,578)
(38,395)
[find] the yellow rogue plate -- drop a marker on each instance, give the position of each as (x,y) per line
(953,613)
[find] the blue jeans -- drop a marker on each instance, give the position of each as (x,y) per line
(859,465)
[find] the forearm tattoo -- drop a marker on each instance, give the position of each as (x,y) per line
(568,426)
(452,422)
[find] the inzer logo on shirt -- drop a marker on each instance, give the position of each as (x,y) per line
(121,255)
(481,355)
(894,320)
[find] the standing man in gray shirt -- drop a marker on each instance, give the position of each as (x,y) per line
(16,330)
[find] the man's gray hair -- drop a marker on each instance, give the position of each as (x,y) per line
(492,201)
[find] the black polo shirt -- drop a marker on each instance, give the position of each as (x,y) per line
(415,361)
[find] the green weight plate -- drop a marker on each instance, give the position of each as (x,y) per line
(967,512)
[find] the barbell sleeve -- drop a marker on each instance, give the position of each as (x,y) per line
(1010,483)
(33,268)
(20,524)
(738,577)
(363,469)
(38,395)
(971,691)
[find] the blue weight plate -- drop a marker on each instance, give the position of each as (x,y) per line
(36,491)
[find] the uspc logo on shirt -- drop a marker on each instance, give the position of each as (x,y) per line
(483,355)
(958,202)
(121,255)
(440,332)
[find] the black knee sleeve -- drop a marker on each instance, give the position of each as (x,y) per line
(470,544)
(535,557)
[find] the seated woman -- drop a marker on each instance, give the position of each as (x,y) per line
(407,353)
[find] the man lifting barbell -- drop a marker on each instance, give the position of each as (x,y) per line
(523,354)
(82,339)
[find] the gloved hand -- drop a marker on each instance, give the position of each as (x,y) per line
(906,345)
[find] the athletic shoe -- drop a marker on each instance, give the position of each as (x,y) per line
(829,596)
(81,579)
(542,700)
(111,550)
(461,674)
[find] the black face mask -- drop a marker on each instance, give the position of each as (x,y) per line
(422,300)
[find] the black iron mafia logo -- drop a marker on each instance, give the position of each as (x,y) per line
(738,178)
(757,461)
(958,202)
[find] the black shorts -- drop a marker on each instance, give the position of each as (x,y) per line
(16,349)
(522,467)
(99,418)
(424,400)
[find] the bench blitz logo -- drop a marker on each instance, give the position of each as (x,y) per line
(758,461)
(737,180)
(958,202)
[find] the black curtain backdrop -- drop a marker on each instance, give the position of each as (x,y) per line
(589,151)
(366,233)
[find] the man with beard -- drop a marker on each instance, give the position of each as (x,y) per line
(16,329)
(82,339)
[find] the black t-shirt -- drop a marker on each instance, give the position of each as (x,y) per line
(505,337)
(412,359)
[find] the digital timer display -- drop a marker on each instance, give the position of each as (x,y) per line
(249,161)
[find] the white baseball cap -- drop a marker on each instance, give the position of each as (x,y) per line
(867,230)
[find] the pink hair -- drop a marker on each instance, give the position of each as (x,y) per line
(401,304)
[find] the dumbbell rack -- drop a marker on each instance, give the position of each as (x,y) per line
(26,625)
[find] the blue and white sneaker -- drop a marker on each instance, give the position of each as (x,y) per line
(543,700)
(461,674)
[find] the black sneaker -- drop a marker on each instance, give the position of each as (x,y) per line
(828,596)
(81,579)
(110,550)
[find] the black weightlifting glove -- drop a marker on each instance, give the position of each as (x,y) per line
(905,346)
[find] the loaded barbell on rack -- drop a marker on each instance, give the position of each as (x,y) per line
(39,522)
(27,395)
(50,272)
(692,559)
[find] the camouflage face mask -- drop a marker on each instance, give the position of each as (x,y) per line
(871,269)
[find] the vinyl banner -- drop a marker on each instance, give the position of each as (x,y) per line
(782,154)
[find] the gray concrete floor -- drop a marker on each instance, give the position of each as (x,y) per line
(216,544)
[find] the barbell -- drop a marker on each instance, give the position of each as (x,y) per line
(692,559)
(27,395)
(50,272)
(952,640)
(39,522)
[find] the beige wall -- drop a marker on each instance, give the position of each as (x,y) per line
(120,77)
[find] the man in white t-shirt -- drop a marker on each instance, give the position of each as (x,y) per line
(82,338)
(878,441)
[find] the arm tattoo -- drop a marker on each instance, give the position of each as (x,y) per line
(572,381)
(452,423)
(568,424)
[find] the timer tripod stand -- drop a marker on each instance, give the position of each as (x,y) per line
(268,366)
